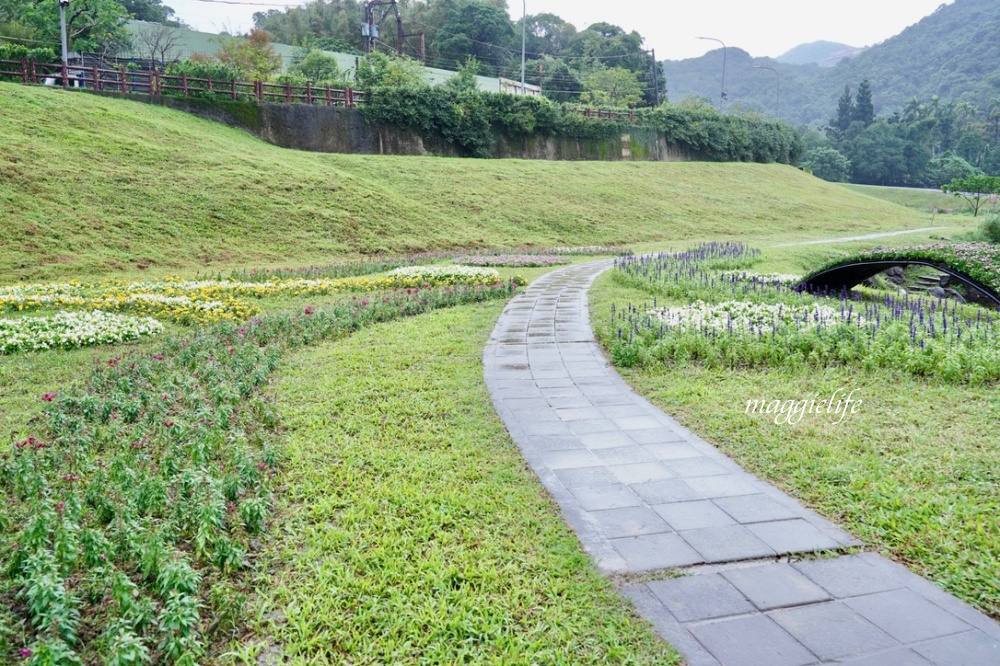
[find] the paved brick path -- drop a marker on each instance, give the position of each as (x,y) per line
(645,494)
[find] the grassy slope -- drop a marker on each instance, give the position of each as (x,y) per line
(410,529)
(920,199)
(91,185)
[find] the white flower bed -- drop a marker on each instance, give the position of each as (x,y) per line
(748,317)
(780,279)
(72,329)
(446,273)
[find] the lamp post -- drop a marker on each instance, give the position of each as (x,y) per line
(524,36)
(722,96)
(63,4)
(777,88)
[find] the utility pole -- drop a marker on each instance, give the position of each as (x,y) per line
(62,22)
(524,34)
(656,80)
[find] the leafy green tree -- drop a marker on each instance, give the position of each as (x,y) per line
(253,56)
(316,66)
(547,34)
(947,168)
(465,80)
(90,25)
(153,11)
(976,190)
(478,29)
(827,163)
(863,110)
(614,86)
(378,70)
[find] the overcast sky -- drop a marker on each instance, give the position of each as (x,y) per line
(762,27)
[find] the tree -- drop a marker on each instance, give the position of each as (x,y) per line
(479,29)
(90,25)
(614,86)
(152,11)
(863,110)
(157,43)
(845,112)
(316,65)
(253,56)
(976,190)
(465,80)
(827,163)
(547,34)
(378,70)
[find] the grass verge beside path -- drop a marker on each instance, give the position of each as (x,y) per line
(915,473)
(411,530)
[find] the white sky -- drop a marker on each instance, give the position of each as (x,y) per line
(762,27)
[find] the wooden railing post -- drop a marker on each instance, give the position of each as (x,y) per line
(24,71)
(154,83)
(65,75)
(309,93)
(288,92)
(328,100)
(348,98)
(123,77)
(34,72)
(210,84)
(184,83)
(233,87)
(96,77)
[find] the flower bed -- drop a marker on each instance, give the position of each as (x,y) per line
(734,319)
(512,260)
(66,330)
(128,518)
(211,301)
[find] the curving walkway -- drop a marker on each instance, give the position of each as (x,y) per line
(646,495)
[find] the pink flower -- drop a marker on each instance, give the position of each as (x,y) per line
(49,397)
(310,310)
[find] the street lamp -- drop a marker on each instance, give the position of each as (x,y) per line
(63,4)
(777,103)
(722,96)
(524,35)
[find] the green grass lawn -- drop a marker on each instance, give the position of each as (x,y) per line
(92,187)
(409,529)
(923,200)
(914,473)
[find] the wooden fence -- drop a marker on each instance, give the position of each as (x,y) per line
(127,82)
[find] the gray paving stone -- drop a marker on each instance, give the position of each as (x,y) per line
(585,476)
(972,649)
(755,508)
(775,586)
(693,515)
(535,428)
(672,451)
(729,485)
(702,597)
(901,657)
(569,403)
(729,543)
(640,472)
(846,576)
(698,466)
(620,411)
(591,426)
(661,435)
(906,616)
(607,496)
(569,459)
(656,551)
(575,413)
(831,630)
(629,522)
(552,443)
(793,536)
(751,641)
(638,423)
(606,440)
(624,455)
(666,491)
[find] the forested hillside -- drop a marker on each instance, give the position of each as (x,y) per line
(954,53)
